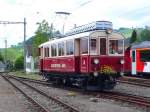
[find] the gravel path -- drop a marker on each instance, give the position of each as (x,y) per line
(12,100)
(86,103)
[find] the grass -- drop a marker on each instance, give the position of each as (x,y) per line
(27,75)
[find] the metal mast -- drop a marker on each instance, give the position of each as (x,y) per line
(24,44)
(64,16)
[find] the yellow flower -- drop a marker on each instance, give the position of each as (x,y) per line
(105,69)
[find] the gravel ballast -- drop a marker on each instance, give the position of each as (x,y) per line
(12,100)
(85,104)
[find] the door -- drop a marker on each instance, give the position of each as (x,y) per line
(134,62)
(77,55)
(84,56)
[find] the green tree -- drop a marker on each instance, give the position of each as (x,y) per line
(1,57)
(43,34)
(133,37)
(19,63)
(145,35)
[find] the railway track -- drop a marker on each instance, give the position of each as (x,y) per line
(134,99)
(53,104)
(135,81)
(35,103)
(127,80)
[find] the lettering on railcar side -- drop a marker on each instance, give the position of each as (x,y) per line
(58,65)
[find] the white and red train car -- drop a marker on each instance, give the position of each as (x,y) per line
(90,56)
(140,58)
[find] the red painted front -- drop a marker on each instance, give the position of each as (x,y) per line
(87,63)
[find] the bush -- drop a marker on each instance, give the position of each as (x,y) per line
(19,63)
(1,58)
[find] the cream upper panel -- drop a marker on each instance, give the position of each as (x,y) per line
(113,35)
(100,33)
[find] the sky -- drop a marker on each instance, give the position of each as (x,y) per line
(122,13)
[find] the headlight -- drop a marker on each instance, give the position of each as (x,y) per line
(95,74)
(122,61)
(96,61)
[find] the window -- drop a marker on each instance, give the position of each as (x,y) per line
(103,46)
(115,46)
(69,47)
(145,55)
(53,50)
(133,56)
(93,45)
(61,49)
(46,52)
(84,45)
(42,52)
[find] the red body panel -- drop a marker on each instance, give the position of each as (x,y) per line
(127,59)
(61,64)
(139,64)
(82,64)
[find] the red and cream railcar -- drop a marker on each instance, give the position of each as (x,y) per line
(140,55)
(90,58)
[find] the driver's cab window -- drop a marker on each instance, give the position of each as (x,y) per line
(115,47)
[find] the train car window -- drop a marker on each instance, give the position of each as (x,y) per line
(61,49)
(42,52)
(46,52)
(133,56)
(93,46)
(145,55)
(84,45)
(103,46)
(69,47)
(53,50)
(115,46)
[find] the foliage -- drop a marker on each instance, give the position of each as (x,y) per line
(145,35)
(125,31)
(19,63)
(1,57)
(133,37)
(9,65)
(43,34)
(12,53)
(27,75)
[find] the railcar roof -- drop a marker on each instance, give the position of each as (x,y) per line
(80,35)
(145,44)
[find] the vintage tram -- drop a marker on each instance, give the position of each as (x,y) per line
(89,56)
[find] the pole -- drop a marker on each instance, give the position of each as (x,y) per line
(24,44)
(5,51)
